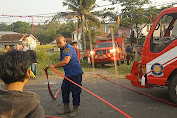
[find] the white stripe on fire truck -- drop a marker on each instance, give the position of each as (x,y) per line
(169,62)
(165,64)
(165,59)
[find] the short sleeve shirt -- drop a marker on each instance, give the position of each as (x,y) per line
(73,67)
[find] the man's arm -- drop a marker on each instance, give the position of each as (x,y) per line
(61,63)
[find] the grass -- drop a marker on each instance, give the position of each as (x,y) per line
(45,46)
(46,56)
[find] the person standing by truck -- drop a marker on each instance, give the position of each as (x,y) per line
(129,52)
(74,44)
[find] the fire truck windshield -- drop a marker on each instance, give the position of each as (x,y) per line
(164,33)
(105,45)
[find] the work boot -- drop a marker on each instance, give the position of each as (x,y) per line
(74,112)
(64,110)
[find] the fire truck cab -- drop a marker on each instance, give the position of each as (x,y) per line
(104,51)
(159,56)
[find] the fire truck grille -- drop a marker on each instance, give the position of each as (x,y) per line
(100,52)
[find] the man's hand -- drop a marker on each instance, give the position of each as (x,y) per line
(49,66)
(59,64)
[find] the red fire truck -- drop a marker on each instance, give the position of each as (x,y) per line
(104,51)
(159,55)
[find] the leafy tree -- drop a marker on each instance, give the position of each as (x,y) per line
(66,29)
(47,33)
(37,30)
(108,13)
(20,27)
(90,35)
(81,8)
(132,13)
(3,27)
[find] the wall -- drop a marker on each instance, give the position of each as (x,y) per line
(32,42)
(79,45)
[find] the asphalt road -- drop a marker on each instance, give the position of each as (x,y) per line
(132,103)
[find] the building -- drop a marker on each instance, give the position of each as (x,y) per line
(14,39)
(78,39)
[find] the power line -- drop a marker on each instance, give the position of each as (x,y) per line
(51,15)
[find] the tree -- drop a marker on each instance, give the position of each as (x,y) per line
(47,33)
(66,29)
(108,14)
(3,27)
(20,27)
(133,9)
(81,8)
(133,13)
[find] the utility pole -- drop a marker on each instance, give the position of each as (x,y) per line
(113,42)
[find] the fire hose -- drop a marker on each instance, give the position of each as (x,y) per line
(46,116)
(140,92)
(50,91)
(114,107)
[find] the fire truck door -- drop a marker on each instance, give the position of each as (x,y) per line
(163,46)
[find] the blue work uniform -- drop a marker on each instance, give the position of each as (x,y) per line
(74,72)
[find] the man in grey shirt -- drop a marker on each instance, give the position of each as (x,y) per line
(15,72)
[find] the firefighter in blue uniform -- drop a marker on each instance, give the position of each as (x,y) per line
(73,70)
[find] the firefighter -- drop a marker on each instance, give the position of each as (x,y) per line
(73,70)
(129,52)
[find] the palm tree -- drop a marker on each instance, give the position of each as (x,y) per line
(82,8)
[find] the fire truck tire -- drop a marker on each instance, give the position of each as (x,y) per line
(172,88)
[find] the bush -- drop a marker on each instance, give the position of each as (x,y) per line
(44,58)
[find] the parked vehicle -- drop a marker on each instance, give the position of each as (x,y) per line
(104,51)
(159,56)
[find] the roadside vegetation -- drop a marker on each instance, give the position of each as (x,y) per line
(46,55)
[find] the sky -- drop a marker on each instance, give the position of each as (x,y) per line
(36,7)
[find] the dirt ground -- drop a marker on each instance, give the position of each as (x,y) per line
(133,104)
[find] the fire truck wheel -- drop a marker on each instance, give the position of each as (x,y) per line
(172,88)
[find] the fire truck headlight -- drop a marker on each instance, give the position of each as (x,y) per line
(92,52)
(113,50)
